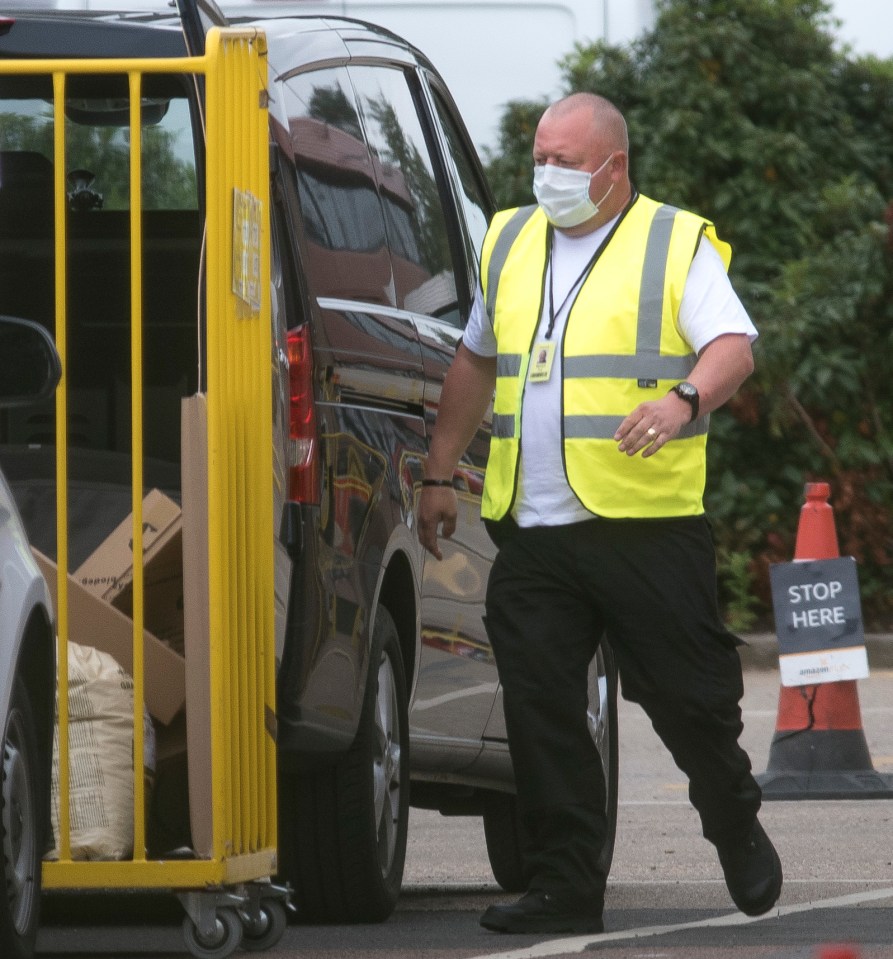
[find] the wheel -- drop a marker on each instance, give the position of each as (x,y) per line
(224,941)
(21,830)
(343,828)
(260,934)
(503,828)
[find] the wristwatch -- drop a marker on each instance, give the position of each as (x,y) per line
(688,392)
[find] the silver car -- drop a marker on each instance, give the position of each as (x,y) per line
(29,371)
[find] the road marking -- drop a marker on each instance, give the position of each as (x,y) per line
(578,944)
(862,803)
(632,882)
(654,802)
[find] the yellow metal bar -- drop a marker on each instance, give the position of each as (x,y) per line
(226,356)
(242,798)
(262,598)
(158,874)
(251,649)
(104,66)
(136,412)
(260,517)
(142,65)
(215,182)
(61,259)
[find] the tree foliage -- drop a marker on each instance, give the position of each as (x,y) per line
(746,112)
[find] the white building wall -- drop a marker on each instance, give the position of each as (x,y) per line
(494,51)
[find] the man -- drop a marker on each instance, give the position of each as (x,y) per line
(609,331)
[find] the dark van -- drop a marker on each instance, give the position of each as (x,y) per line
(387,688)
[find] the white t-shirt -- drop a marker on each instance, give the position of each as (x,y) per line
(709,308)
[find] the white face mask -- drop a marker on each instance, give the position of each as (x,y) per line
(563,194)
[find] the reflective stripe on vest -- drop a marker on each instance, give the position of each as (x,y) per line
(504,241)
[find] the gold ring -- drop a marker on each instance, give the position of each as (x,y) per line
(652,431)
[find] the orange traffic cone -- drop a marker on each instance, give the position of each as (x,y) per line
(816,533)
(819,749)
(838,952)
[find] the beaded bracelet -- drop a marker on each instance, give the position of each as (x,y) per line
(437,482)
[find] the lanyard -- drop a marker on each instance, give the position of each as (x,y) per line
(574,286)
(634,195)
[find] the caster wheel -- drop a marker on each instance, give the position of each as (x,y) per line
(267,930)
(225,939)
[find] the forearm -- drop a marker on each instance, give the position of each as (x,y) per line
(466,394)
(723,365)
(467,391)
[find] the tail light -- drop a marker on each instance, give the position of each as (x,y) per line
(303,452)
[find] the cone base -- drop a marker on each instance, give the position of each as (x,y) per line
(826,785)
(819,751)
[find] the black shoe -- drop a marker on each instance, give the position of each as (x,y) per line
(753,871)
(542,912)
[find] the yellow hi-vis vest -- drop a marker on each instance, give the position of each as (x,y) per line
(621,346)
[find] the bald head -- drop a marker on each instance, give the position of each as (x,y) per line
(604,116)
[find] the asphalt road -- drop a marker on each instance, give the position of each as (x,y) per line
(666,897)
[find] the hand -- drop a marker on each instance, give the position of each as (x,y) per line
(652,425)
(438,507)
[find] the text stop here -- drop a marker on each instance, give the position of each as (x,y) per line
(826,615)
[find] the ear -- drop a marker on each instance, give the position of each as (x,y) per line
(619,164)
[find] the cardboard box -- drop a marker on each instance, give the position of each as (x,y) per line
(108,572)
(93,622)
(194,442)
(162,599)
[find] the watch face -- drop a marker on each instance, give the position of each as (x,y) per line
(686,390)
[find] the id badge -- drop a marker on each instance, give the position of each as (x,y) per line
(541,362)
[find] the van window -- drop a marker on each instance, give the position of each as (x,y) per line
(98,287)
(424,274)
(471,194)
(97,139)
(341,210)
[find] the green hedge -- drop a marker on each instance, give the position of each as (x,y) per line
(747,112)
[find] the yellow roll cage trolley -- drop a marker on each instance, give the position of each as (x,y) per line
(228,894)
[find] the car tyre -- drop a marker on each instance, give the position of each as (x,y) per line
(343,828)
(21,833)
(503,827)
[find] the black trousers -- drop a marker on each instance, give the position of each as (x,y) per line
(650,587)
